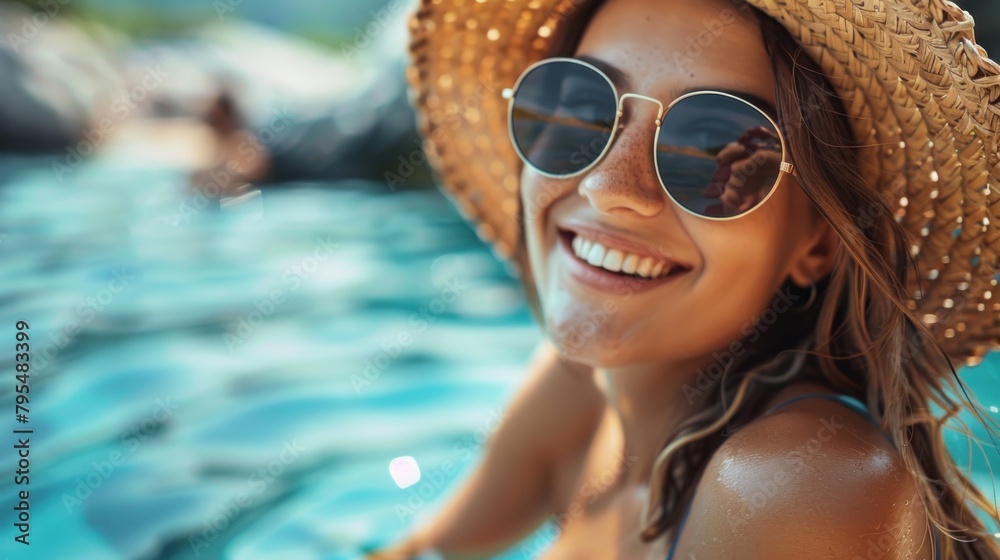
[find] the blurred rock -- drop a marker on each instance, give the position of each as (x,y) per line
(51,77)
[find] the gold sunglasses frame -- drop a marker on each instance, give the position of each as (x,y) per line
(509,93)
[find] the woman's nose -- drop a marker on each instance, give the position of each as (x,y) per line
(625,180)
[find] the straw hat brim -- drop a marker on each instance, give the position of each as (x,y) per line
(922,97)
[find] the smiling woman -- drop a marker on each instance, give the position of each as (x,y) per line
(758,237)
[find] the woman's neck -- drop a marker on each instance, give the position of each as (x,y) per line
(646,404)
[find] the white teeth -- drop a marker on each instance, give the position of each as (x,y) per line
(595,255)
(617,260)
(613,260)
(645,267)
(657,269)
(630,263)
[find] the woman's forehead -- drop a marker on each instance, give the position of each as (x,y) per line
(671,45)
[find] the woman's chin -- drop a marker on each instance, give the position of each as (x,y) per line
(589,351)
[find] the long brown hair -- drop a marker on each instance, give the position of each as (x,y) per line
(859,338)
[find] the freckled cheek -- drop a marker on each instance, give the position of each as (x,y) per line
(777,216)
(538,197)
(740,262)
(787,208)
(533,205)
(536,202)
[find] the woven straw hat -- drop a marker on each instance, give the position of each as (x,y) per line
(919,90)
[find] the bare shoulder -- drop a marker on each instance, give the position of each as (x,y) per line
(813,479)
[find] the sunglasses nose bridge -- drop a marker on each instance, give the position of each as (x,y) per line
(621,105)
(627,178)
(620,112)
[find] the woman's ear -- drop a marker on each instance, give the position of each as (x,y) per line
(817,255)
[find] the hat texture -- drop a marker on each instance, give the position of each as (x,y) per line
(923,99)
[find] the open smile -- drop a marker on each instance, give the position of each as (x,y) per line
(601,263)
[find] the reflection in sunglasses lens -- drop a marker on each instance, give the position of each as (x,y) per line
(717,156)
(563,113)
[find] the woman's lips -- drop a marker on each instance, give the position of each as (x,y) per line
(604,280)
(622,241)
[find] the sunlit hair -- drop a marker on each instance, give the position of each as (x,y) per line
(858,338)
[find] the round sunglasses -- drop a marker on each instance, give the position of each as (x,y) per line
(717,155)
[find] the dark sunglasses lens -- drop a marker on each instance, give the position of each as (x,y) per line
(562,116)
(718,156)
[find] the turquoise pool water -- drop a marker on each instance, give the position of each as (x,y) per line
(235,386)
